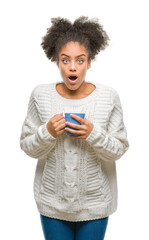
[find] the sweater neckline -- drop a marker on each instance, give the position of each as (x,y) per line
(70,101)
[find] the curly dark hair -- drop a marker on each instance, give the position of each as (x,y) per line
(87,32)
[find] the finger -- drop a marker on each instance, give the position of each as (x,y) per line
(58,117)
(73,125)
(74,131)
(62,121)
(60,126)
(79,119)
(61,131)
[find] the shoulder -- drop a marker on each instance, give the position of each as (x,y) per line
(108,93)
(102,88)
(106,87)
(41,89)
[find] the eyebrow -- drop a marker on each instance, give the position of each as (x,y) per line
(76,56)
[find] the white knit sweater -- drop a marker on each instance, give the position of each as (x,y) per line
(75,179)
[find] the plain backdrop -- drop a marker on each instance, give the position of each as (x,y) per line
(123,65)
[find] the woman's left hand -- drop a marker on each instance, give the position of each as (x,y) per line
(83,130)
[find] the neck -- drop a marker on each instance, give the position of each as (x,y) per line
(88,88)
(74,93)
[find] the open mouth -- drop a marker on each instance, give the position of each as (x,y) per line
(73,78)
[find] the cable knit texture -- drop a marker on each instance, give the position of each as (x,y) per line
(75,179)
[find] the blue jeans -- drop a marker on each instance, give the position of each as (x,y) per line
(55,229)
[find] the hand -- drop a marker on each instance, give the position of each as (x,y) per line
(56,125)
(83,130)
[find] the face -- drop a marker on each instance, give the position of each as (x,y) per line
(73,65)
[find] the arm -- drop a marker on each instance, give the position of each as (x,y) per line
(35,140)
(111,144)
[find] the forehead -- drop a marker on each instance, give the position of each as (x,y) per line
(73,49)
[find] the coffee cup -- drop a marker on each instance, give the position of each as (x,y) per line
(68,118)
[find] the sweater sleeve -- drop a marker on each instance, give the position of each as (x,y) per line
(112,143)
(35,140)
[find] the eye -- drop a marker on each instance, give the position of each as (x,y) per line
(65,61)
(80,61)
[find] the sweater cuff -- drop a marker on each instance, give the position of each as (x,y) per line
(44,133)
(93,134)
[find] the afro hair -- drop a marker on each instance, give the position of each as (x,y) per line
(89,33)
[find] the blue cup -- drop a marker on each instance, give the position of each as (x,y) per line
(68,118)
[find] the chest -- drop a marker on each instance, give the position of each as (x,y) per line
(97,111)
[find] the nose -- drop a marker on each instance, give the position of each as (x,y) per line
(72,66)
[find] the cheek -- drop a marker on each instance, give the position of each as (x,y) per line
(62,70)
(63,67)
(83,71)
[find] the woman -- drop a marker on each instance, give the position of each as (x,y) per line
(75,185)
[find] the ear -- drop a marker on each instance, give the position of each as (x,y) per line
(89,64)
(57,63)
